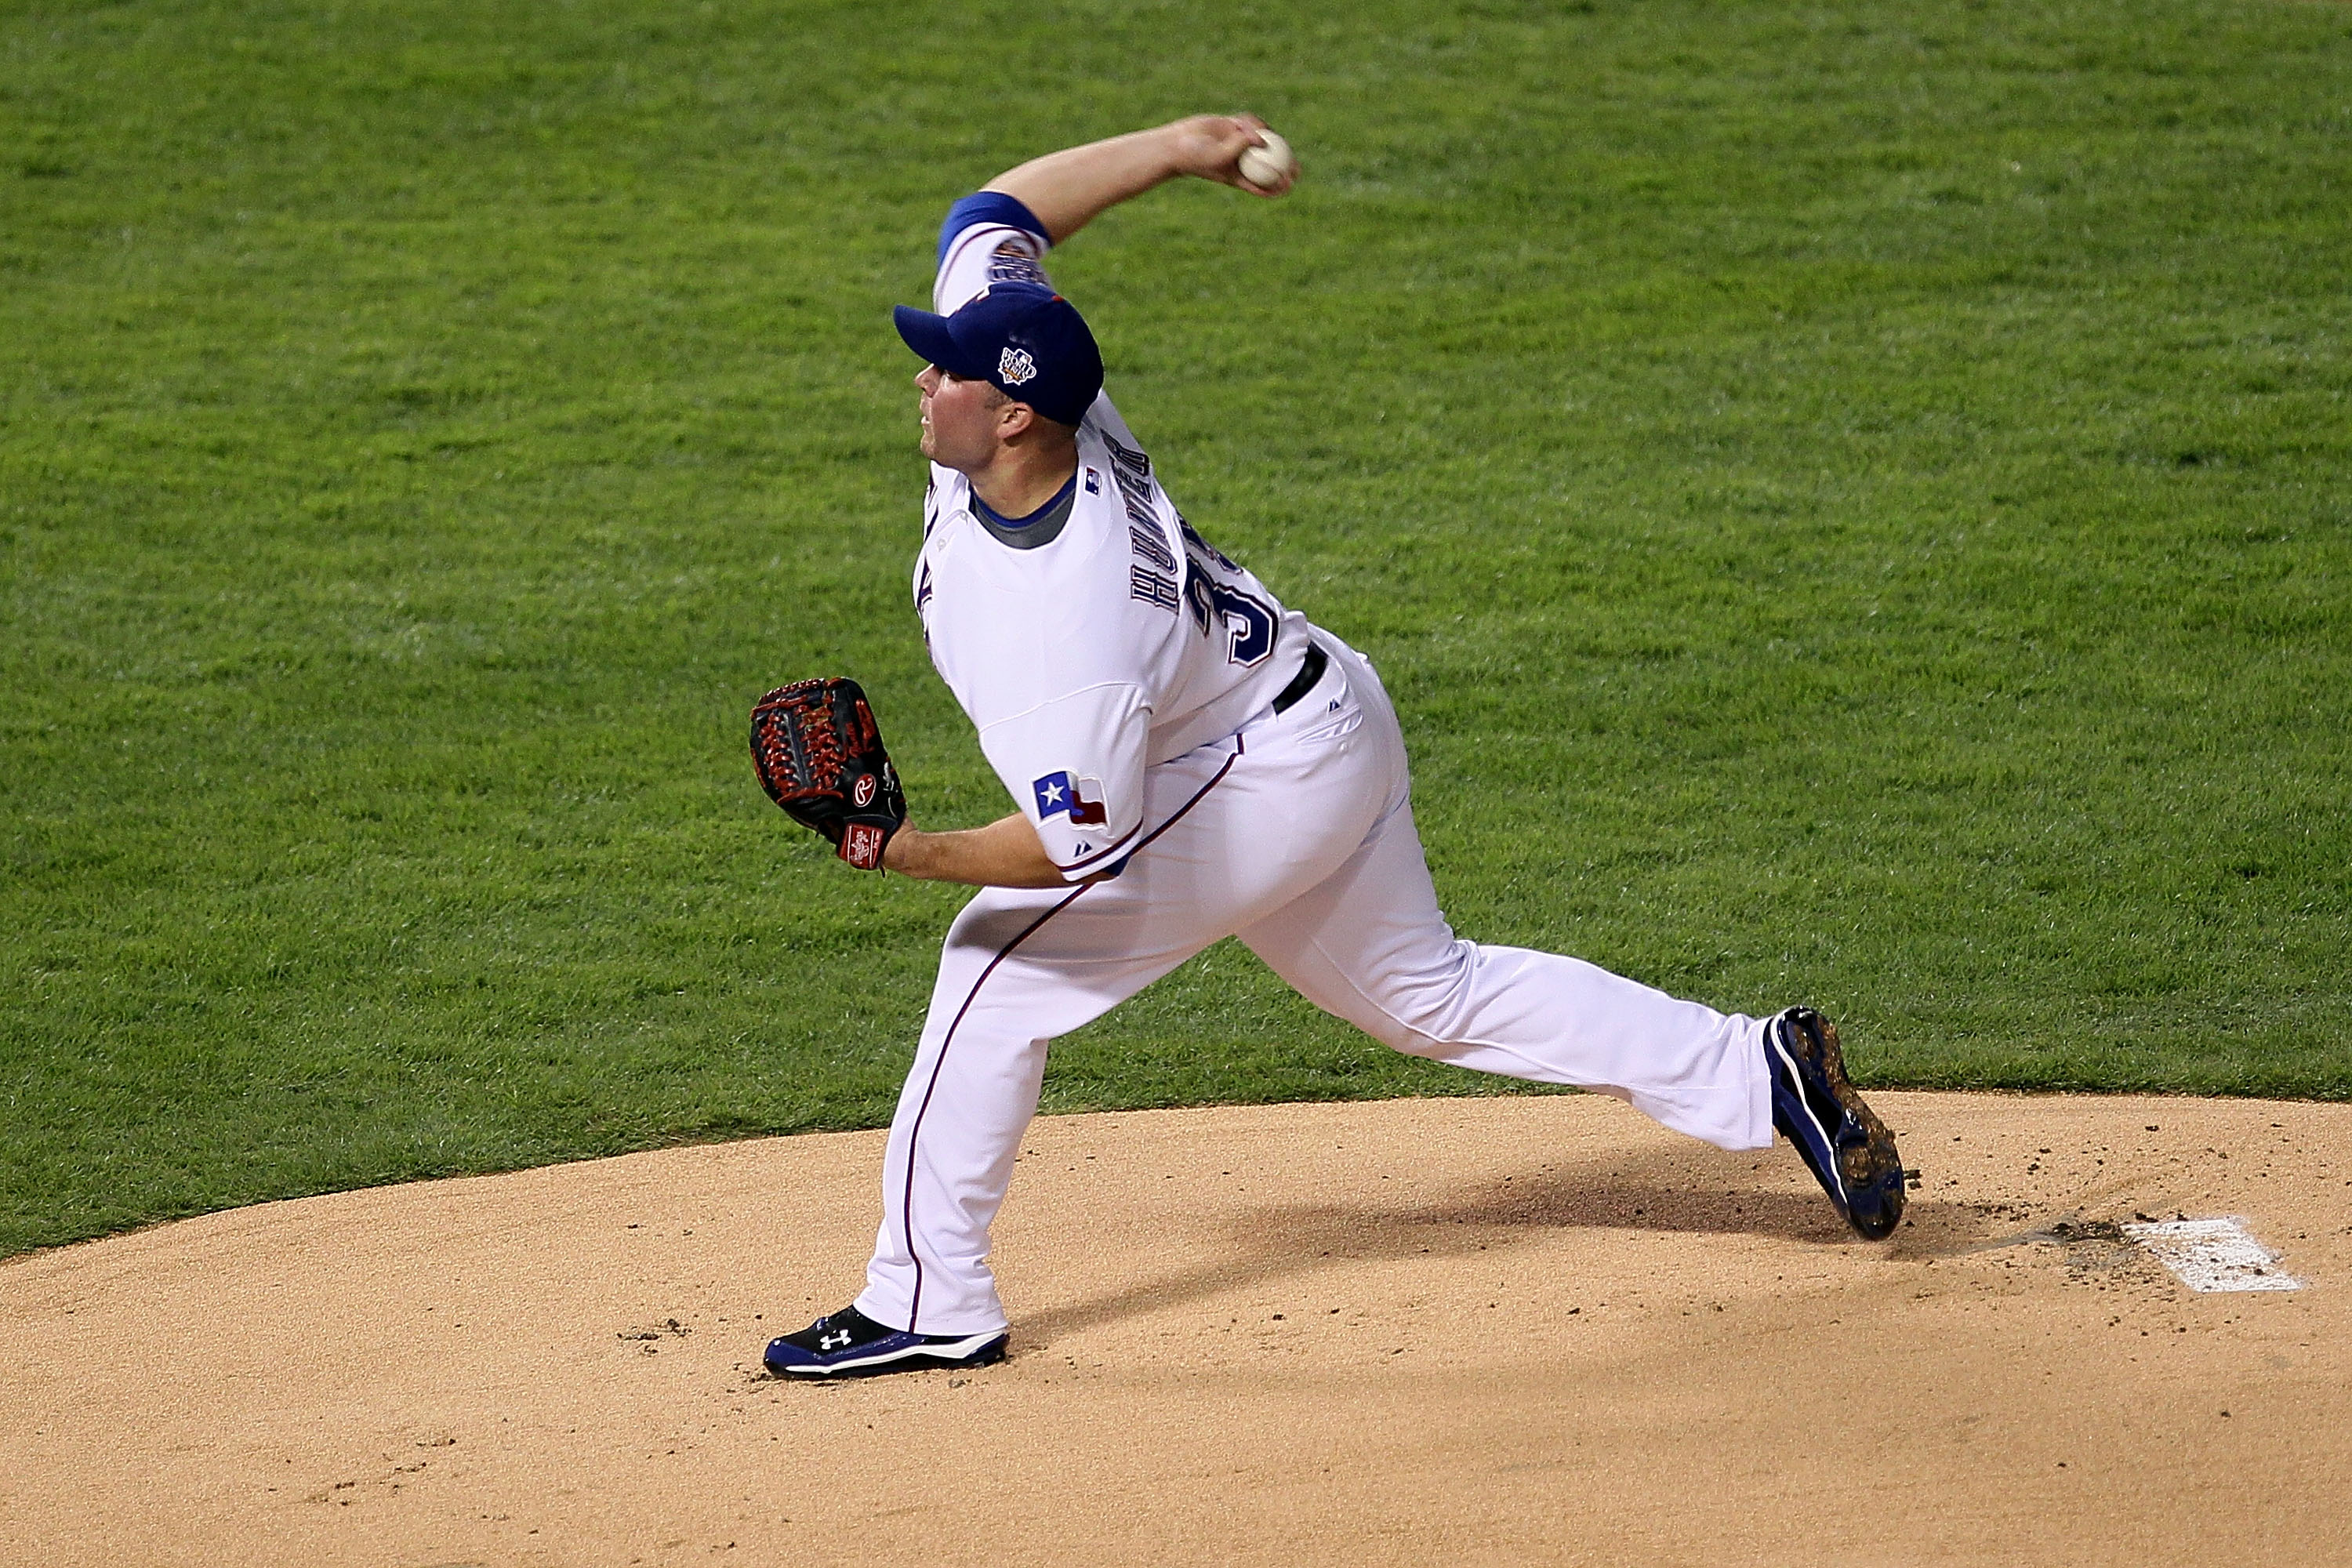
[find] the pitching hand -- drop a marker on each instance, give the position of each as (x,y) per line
(1210,146)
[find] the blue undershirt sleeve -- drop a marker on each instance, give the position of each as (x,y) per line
(990,207)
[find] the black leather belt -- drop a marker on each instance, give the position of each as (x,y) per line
(1310,670)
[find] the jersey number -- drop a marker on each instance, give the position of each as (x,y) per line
(1249,623)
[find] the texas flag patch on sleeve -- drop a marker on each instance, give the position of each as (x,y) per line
(1058,793)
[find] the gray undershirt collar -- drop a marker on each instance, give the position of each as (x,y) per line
(1040,527)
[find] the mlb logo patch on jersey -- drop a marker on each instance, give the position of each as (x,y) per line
(1094,483)
(1057,795)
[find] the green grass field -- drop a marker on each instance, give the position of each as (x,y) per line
(1852,499)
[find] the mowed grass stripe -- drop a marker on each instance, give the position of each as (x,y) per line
(1850,499)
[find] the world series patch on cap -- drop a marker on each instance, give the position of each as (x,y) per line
(1023,339)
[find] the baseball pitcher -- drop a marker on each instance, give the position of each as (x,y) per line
(1191,759)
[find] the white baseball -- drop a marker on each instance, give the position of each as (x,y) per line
(1266,167)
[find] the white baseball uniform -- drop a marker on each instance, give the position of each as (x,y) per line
(1122,674)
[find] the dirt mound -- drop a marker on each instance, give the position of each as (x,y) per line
(1504,1331)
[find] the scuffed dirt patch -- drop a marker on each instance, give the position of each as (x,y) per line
(1517,1330)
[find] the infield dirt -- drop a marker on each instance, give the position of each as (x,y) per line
(1483,1330)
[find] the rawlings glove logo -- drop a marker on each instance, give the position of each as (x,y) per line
(820,756)
(1015,366)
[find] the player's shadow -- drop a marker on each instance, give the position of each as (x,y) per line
(1675,1192)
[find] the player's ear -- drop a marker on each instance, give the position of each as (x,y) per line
(1013,420)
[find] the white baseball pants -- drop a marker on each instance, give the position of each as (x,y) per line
(1296,835)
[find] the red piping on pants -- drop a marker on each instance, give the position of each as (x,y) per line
(915,1131)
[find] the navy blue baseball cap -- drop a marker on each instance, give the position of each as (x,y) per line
(1023,339)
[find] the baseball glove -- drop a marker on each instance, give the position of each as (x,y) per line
(820,756)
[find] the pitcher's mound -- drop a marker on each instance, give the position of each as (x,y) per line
(1484,1331)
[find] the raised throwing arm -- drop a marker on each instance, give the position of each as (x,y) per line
(1067,189)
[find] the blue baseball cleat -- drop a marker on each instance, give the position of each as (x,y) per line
(848,1343)
(1849,1151)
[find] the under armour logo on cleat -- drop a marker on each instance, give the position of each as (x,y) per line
(834,1341)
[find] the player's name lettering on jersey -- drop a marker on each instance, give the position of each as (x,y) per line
(1057,793)
(1133,470)
(1148,543)
(1154,580)
(1152,588)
